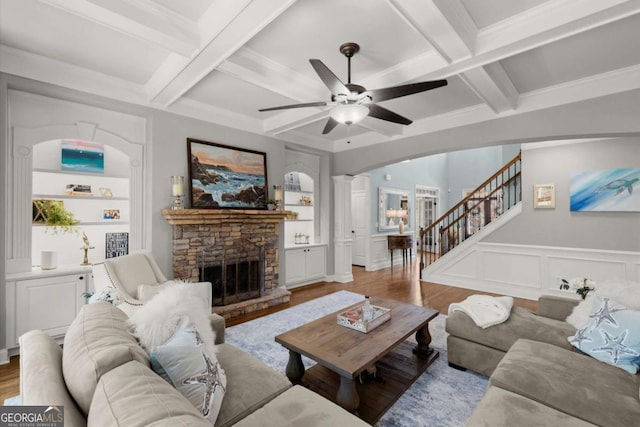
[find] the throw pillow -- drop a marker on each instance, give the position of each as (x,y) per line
(611,335)
(173,306)
(617,290)
(187,364)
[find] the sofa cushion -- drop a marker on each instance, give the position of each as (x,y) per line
(41,380)
(300,407)
(502,408)
(133,395)
(250,384)
(521,324)
(186,363)
(97,341)
(611,335)
(570,382)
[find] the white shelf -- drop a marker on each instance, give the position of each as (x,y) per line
(67,196)
(298,191)
(97,175)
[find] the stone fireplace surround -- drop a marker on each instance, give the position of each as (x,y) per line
(228,231)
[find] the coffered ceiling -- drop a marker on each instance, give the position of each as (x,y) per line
(223,60)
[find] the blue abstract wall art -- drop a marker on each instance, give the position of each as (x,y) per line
(611,190)
(82,156)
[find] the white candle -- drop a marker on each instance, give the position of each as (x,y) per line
(176,189)
(49,260)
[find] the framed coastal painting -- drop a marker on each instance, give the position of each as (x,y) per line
(82,156)
(224,177)
(609,190)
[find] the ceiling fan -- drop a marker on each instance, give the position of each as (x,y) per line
(351,102)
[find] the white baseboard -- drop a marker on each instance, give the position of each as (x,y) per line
(4,356)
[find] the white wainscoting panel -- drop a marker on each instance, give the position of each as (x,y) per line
(528,271)
(379,253)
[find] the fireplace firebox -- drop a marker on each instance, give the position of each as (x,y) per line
(234,280)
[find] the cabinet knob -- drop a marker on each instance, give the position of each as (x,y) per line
(81,278)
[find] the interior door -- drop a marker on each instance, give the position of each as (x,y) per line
(359,224)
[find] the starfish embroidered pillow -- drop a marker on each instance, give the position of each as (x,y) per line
(611,335)
(187,364)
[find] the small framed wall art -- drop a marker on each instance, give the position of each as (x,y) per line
(544,196)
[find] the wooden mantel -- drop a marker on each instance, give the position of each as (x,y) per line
(218,216)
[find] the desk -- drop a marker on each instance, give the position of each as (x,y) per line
(400,241)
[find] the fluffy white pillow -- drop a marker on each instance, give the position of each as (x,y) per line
(617,290)
(175,305)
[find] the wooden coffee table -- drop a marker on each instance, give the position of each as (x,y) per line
(348,352)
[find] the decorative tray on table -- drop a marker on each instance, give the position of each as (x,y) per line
(353,318)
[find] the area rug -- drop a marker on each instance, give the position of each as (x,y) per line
(442,396)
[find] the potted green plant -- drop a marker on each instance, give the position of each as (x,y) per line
(52,213)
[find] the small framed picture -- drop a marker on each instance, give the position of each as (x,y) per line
(111,214)
(544,196)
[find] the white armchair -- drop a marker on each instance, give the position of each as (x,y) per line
(138,277)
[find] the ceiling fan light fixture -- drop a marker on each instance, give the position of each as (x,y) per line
(349,113)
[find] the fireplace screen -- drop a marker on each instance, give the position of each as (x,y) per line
(233,280)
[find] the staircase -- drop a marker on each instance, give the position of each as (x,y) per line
(485,204)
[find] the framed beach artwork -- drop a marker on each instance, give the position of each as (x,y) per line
(82,156)
(610,190)
(224,177)
(544,196)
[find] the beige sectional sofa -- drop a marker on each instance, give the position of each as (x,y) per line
(536,378)
(103,378)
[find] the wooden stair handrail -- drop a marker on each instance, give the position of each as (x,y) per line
(455,210)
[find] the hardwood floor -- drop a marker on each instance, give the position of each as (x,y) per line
(400,283)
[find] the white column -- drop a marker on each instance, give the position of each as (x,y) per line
(342,239)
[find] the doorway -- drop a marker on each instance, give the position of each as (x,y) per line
(427,201)
(360,219)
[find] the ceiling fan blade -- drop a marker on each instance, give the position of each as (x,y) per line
(331,123)
(329,79)
(397,91)
(284,107)
(382,113)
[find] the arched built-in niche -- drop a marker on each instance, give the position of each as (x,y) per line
(36,151)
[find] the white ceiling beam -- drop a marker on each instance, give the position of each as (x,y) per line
(292,119)
(492,84)
(261,71)
(209,113)
(552,21)
(40,68)
(234,33)
(135,20)
(439,30)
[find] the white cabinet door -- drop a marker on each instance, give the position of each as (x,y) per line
(49,303)
(295,265)
(316,262)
